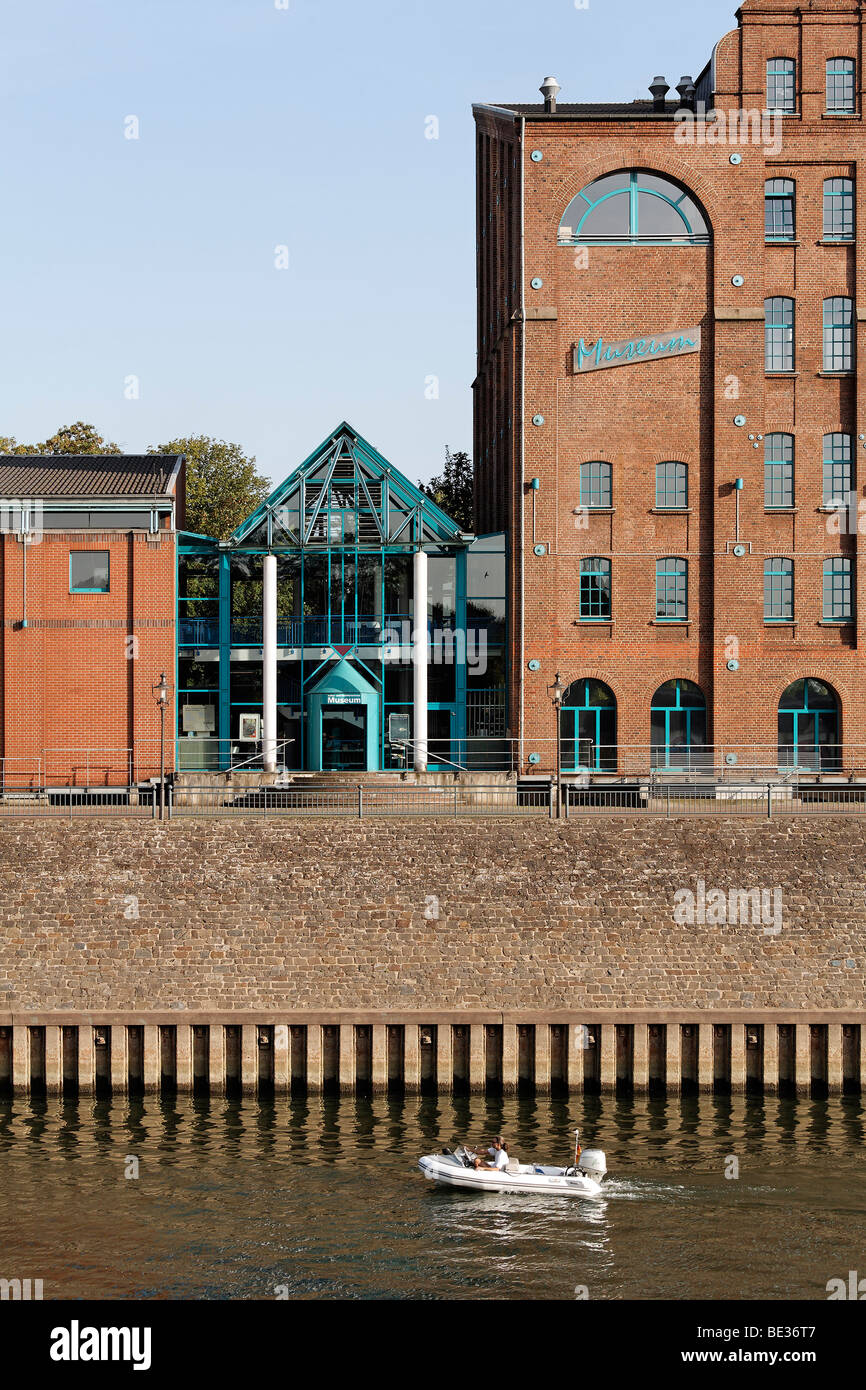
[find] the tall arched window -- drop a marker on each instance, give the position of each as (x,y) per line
(778,334)
(838,334)
(781,84)
(840,86)
(672,484)
(778,471)
(809,726)
(779,210)
(672,589)
(838,471)
(594,589)
(778,589)
(633,206)
(588,727)
(678,726)
(839,209)
(595,484)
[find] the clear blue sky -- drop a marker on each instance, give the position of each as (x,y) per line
(261,127)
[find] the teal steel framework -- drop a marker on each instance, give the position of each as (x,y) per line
(344,526)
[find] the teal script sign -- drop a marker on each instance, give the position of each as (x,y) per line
(601,354)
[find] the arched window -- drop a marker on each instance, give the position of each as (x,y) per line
(678,726)
(840,86)
(633,206)
(838,606)
(778,334)
(838,209)
(779,219)
(838,334)
(594,589)
(595,484)
(838,473)
(778,471)
(809,726)
(781,84)
(588,727)
(672,589)
(672,484)
(778,589)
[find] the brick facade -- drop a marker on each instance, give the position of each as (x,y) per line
(638,414)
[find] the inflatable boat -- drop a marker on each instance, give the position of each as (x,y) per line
(456,1168)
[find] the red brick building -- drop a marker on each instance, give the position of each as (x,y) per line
(88,592)
(668,405)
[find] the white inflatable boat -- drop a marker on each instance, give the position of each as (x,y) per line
(456,1168)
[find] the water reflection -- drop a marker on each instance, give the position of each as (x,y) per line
(237,1197)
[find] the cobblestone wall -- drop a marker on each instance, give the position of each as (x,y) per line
(429,914)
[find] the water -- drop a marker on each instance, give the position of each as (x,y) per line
(321,1197)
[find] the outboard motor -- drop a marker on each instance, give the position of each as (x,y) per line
(593,1163)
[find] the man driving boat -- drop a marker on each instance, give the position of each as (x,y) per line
(499,1154)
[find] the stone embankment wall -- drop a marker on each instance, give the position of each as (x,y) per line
(425,916)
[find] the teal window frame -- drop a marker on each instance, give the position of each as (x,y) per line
(838,334)
(89,589)
(596,485)
(595,589)
(672,485)
(779,343)
(780,212)
(840,87)
(688,708)
(838,589)
(672,589)
(778,471)
(837,469)
(814,726)
(579,712)
(695,232)
(778,589)
(782,85)
(838,205)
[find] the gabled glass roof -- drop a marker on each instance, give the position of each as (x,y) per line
(346,493)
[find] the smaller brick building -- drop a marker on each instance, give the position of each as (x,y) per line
(88,594)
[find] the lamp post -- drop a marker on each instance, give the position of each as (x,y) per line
(556,692)
(160,690)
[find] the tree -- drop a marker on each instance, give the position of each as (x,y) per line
(79,438)
(453,489)
(222,484)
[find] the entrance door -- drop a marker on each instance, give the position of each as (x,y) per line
(344,738)
(440,731)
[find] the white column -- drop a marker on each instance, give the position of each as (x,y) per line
(269,663)
(420,652)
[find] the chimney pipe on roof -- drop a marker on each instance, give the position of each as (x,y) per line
(686,89)
(548,90)
(659,88)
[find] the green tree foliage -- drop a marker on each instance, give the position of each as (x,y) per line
(453,490)
(222,484)
(79,438)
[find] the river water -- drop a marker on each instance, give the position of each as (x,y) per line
(320,1198)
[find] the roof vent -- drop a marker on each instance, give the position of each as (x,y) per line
(686,89)
(548,90)
(659,88)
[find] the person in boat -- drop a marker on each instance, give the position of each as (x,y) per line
(499,1154)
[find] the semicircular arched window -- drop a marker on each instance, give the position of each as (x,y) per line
(633,207)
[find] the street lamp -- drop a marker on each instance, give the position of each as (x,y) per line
(160,690)
(556,692)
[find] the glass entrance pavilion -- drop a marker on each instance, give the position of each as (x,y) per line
(300,643)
